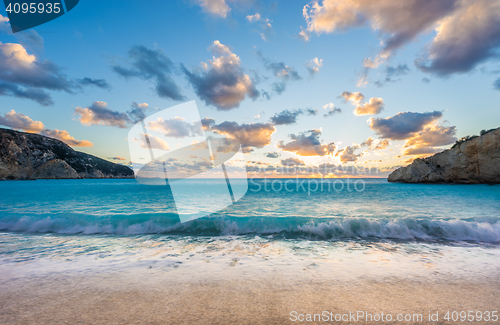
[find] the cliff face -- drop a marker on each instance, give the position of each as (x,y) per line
(474,161)
(32,156)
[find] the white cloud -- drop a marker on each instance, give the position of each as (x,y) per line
(217,8)
(154,142)
(313,65)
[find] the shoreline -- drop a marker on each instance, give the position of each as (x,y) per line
(107,280)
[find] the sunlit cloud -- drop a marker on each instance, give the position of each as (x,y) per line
(19,121)
(222,82)
(148,141)
(176,127)
(314,65)
(99,114)
(308,144)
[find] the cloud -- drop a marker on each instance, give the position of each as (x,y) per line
(265,95)
(23,75)
(4,24)
(400,70)
(286,117)
(30,39)
(217,8)
(207,123)
(283,72)
(252,18)
(332,110)
(149,141)
(176,127)
(279,87)
(381,145)
(496,84)
(100,83)
(27,76)
(292,162)
(392,72)
(19,121)
(464,39)
(137,113)
(99,114)
(373,144)
(221,8)
(222,83)
(265,24)
(307,144)
(421,151)
(314,65)
(65,137)
(311,112)
(426,80)
(151,64)
(372,107)
(255,135)
(348,154)
(118,158)
(367,143)
(467,31)
(38,95)
(354,98)
(403,125)
(272,154)
(429,139)
(262,169)
(422,132)
(397,22)
(303,35)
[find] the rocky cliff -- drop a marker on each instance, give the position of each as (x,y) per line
(476,160)
(33,156)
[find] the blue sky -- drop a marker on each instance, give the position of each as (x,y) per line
(97,35)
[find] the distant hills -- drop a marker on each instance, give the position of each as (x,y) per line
(33,156)
(471,160)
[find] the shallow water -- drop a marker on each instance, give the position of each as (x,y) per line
(385,229)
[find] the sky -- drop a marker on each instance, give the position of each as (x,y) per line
(357,83)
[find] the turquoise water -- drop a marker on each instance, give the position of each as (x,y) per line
(363,209)
(367,228)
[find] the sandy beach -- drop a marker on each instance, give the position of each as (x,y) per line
(112,299)
(244,281)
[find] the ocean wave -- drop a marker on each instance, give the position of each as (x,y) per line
(407,229)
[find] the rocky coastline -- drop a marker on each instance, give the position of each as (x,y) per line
(27,156)
(472,160)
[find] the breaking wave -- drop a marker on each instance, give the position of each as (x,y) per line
(485,230)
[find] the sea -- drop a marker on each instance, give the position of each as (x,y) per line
(357,228)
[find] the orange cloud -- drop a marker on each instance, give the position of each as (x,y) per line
(372,107)
(19,121)
(66,138)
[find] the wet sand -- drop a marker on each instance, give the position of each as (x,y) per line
(153,299)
